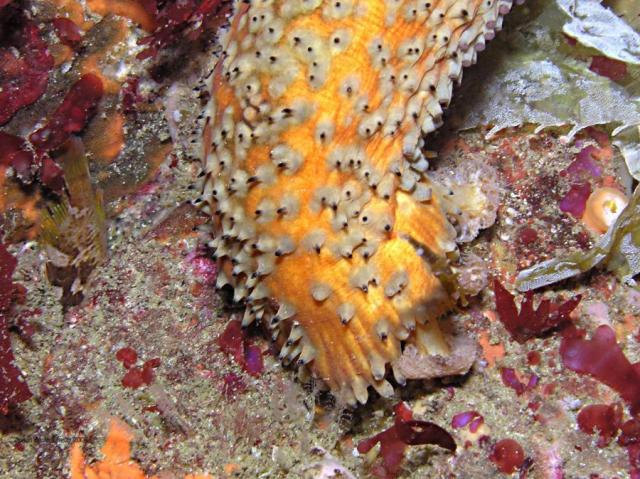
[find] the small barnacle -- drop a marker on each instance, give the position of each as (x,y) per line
(377,365)
(337,9)
(386,186)
(324,131)
(421,164)
(295,334)
(369,249)
(289,352)
(284,245)
(289,206)
(325,197)
(265,211)
(248,317)
(336,159)
(349,86)
(265,244)
(351,190)
(239,293)
(273,33)
(339,222)
(346,311)
(348,243)
(318,72)
(236,213)
(362,276)
(260,291)
(339,40)
(396,283)
(368,173)
(371,124)
(408,180)
(224,159)
(285,311)
(301,110)
(307,354)
(320,291)
(314,240)
(354,207)
(238,183)
(383,222)
(266,173)
(286,158)
(266,265)
(428,124)
(383,328)
(422,193)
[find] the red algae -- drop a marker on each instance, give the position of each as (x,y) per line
(602,358)
(630,432)
(528,322)
(14,152)
(630,438)
(510,379)
(51,175)
(78,106)
(133,379)
(575,201)
(67,31)
(127,356)
(186,19)
(253,363)
(152,363)
(404,432)
(584,162)
(533,358)
(130,95)
(507,455)
(604,419)
(472,418)
(136,377)
(232,385)
(23,78)
(527,235)
(608,67)
(233,341)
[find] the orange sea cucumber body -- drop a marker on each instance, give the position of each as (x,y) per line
(325,220)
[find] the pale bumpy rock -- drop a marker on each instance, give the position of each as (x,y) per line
(325,220)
